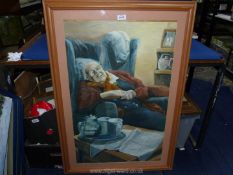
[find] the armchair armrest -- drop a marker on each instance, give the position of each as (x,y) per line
(161,101)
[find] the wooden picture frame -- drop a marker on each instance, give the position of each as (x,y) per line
(168,40)
(90,24)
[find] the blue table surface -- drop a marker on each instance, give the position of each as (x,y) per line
(39,51)
(200,51)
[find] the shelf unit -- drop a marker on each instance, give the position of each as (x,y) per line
(19,20)
(213,19)
(37,155)
(206,16)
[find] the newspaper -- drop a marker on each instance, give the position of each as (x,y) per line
(141,144)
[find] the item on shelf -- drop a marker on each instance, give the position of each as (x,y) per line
(224,42)
(10,30)
(38,50)
(195,35)
(40,108)
(232,12)
(43,155)
(42,129)
(224,45)
(222,7)
(32,88)
(45,87)
(14,56)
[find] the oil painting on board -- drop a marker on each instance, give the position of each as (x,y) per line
(117,107)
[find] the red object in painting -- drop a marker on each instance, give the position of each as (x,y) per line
(39,108)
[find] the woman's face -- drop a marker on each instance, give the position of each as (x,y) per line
(96,73)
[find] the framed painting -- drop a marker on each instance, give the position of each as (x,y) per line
(168,40)
(112,117)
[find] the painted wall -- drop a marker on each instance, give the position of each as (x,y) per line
(149,33)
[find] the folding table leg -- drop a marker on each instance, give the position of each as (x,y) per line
(210,107)
(190,78)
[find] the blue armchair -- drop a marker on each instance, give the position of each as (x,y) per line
(118,52)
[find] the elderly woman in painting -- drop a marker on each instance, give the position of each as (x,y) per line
(128,93)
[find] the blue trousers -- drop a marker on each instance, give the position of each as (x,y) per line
(145,118)
(137,115)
